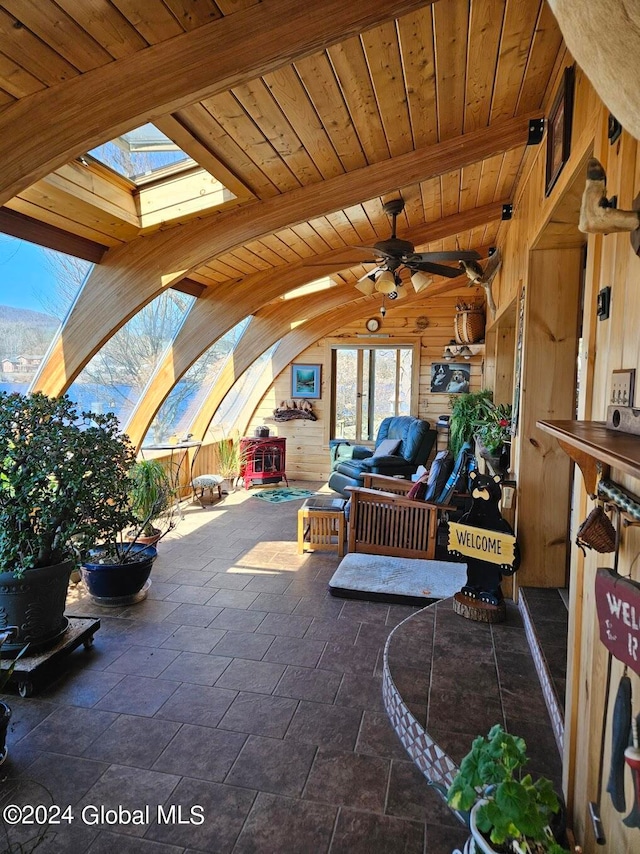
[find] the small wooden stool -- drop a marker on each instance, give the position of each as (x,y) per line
(321,525)
(206,481)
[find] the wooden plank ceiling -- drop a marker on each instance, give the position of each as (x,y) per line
(443,70)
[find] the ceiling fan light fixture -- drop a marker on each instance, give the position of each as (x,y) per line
(366,286)
(420,281)
(399,293)
(386,282)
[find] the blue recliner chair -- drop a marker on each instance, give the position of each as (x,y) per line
(403,443)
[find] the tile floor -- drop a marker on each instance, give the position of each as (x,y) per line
(239,690)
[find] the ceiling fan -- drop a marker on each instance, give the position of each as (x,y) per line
(392,254)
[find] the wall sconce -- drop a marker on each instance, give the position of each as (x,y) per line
(461,351)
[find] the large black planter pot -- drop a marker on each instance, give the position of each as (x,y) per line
(5,717)
(35,604)
(119,584)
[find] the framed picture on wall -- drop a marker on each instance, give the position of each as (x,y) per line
(559,130)
(306,381)
(449,378)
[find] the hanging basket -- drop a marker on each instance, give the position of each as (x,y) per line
(468,326)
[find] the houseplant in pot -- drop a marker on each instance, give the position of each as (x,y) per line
(229,459)
(63,488)
(493,436)
(510,812)
(466,411)
(152,500)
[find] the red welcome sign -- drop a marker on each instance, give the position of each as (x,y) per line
(618,606)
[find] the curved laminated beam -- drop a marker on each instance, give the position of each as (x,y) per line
(132,275)
(223,306)
(292,343)
(45,130)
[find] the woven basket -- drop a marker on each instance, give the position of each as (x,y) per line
(468,326)
(597,532)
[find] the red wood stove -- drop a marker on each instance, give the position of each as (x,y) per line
(263,460)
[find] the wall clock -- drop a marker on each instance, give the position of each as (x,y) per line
(373,324)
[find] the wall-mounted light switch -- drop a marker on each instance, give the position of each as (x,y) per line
(622,387)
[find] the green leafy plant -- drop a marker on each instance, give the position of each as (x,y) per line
(466,411)
(515,812)
(152,497)
(64,483)
(229,458)
(493,430)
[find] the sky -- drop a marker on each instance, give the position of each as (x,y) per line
(25,275)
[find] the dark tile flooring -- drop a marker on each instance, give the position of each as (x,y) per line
(240,691)
(550,619)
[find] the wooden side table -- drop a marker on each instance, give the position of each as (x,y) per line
(321,525)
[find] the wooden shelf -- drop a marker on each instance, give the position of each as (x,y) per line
(590,443)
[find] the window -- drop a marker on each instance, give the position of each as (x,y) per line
(369,384)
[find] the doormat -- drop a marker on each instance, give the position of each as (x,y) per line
(277,496)
(396,579)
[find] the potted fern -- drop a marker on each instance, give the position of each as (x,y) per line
(509,811)
(467,411)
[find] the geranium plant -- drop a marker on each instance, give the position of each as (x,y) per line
(514,811)
(493,430)
(63,481)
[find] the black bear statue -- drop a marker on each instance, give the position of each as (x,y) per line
(484,576)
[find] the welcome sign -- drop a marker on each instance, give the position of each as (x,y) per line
(618,607)
(482,544)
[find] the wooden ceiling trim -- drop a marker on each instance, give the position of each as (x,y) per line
(517,34)
(191,287)
(382,53)
(350,67)
(27,228)
(547,40)
(415,34)
(63,35)
(199,121)
(50,216)
(485,23)
(106,25)
(451,27)
(194,13)
(230,114)
(109,100)
(191,145)
(17,82)
(152,19)
(288,92)
(321,86)
(25,49)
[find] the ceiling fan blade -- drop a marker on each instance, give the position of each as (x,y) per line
(438,269)
(457,255)
(349,262)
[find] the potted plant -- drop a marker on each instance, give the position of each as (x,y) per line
(467,410)
(229,459)
(63,488)
(152,500)
(5,676)
(509,811)
(493,436)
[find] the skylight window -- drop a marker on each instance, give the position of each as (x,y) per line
(142,153)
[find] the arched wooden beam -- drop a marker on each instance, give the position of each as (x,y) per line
(43,131)
(202,328)
(292,343)
(131,276)
(223,306)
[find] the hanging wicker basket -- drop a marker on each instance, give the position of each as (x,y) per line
(468,326)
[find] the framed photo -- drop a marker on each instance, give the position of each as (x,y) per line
(306,381)
(449,378)
(559,130)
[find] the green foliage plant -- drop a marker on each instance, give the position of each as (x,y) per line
(466,411)
(229,458)
(515,811)
(493,431)
(64,484)
(152,497)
